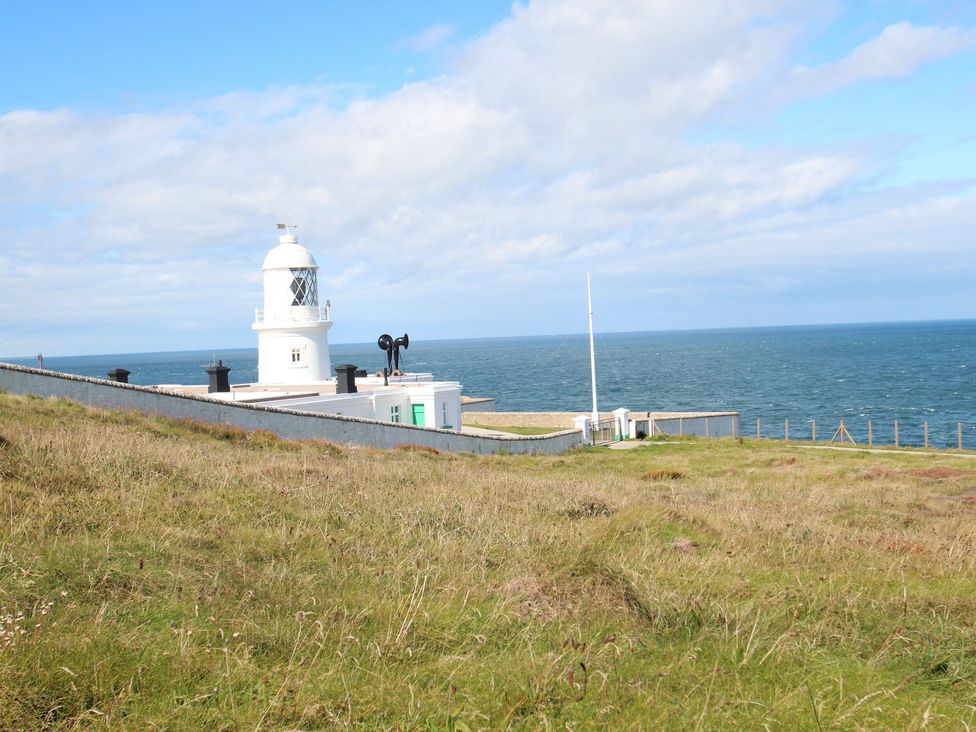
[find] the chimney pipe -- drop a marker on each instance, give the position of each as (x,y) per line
(119,375)
(345,379)
(219,381)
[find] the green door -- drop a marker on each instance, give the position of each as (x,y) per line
(418,414)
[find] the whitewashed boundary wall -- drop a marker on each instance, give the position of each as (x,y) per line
(286,423)
(478,405)
(713,425)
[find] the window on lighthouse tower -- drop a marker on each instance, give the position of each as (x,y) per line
(303,288)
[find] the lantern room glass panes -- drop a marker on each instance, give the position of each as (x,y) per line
(304,289)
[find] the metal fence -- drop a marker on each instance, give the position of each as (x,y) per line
(603,431)
(868,433)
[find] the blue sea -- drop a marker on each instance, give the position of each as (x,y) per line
(910,372)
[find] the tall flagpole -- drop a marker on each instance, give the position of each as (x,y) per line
(589,300)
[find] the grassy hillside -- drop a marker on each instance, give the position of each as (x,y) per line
(155,575)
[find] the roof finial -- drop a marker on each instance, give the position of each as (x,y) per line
(287,227)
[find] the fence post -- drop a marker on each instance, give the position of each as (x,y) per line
(621,423)
(959,433)
(757,428)
(896,433)
(813,430)
(681,426)
(843,433)
(870,434)
(582,423)
(786,430)
(925,429)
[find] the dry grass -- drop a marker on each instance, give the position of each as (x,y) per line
(170,575)
(663,475)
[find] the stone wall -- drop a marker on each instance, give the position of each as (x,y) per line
(286,423)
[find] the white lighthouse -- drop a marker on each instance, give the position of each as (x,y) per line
(292,328)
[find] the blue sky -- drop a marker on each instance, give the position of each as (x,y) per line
(134,56)
(457,168)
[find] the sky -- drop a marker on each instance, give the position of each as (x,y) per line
(458,168)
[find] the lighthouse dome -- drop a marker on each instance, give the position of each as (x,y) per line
(289,254)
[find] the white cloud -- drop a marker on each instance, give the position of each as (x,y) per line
(429,38)
(894,54)
(582,70)
(556,143)
(347,276)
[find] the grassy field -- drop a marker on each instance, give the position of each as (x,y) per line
(161,575)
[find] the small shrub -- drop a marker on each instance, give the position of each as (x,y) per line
(872,473)
(664,475)
(419,448)
(590,509)
(661,437)
(940,473)
(684,544)
(262,438)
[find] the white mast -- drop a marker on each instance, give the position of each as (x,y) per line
(589,300)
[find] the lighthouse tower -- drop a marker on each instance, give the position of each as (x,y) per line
(293,330)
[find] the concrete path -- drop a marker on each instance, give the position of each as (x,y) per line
(485,433)
(966,456)
(632,444)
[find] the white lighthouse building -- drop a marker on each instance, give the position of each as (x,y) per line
(294,369)
(292,328)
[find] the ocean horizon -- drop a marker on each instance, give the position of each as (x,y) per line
(913,372)
(22,359)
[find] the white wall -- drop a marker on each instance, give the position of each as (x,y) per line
(453,403)
(437,397)
(275,343)
(285,423)
(482,405)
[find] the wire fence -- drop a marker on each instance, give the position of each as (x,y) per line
(859,432)
(866,433)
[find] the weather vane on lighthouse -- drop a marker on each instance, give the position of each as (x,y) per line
(287,227)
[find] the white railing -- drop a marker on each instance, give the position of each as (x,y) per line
(603,431)
(297,313)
